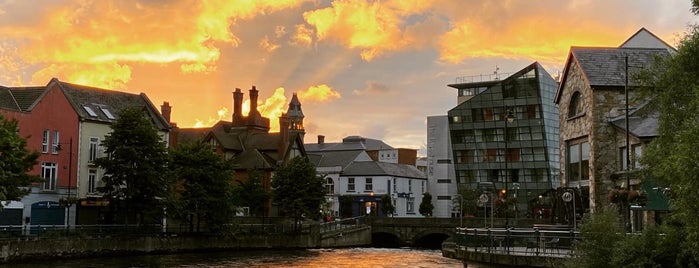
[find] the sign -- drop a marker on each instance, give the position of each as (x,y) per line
(567,197)
(483,198)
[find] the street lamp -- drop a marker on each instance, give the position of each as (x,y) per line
(509,118)
(68,201)
(461,209)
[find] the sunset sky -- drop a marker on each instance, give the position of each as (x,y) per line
(370,68)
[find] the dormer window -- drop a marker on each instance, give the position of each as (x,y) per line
(575,105)
(90,111)
(107,113)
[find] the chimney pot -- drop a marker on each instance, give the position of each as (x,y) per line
(321,139)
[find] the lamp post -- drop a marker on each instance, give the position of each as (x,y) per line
(68,201)
(461,209)
(509,118)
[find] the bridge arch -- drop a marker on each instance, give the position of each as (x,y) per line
(431,239)
(386,240)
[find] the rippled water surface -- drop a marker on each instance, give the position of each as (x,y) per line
(348,257)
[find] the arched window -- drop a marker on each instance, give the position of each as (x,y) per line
(575,105)
(329,186)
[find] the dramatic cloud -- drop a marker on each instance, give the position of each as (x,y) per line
(373,88)
(319,93)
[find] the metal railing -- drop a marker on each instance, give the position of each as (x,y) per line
(533,242)
(342,224)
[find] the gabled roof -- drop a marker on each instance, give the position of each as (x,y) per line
(375,168)
(606,66)
(349,143)
(20,98)
(643,38)
(102,105)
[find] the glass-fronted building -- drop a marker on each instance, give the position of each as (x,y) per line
(504,135)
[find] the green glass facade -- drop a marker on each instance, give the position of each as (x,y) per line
(507,131)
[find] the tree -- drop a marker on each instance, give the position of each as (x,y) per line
(600,234)
(15,162)
(672,157)
(204,189)
(252,194)
(297,190)
(387,207)
(136,172)
(426,206)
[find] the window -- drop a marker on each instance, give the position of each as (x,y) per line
(574,106)
(410,186)
(444,197)
(94,148)
(368,186)
(350,184)
(45,141)
(578,160)
(635,157)
(443,161)
(91,181)
(56,142)
(410,205)
(107,113)
(443,181)
(395,190)
(466,176)
(90,111)
(329,186)
(464,156)
(48,173)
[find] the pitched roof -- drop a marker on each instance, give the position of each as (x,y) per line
(643,122)
(375,168)
(349,143)
(334,158)
(644,38)
(102,105)
(20,98)
(607,66)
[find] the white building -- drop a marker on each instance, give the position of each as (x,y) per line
(441,180)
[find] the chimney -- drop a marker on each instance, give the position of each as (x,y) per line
(238,107)
(166,110)
(321,139)
(253,100)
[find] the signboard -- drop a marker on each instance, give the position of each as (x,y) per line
(567,197)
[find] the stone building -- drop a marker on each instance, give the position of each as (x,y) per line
(596,88)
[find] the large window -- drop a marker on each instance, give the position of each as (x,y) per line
(350,184)
(578,152)
(94,148)
(92,181)
(48,173)
(636,150)
(368,185)
(410,205)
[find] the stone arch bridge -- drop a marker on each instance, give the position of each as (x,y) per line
(411,232)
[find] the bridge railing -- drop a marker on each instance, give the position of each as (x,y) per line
(511,241)
(343,224)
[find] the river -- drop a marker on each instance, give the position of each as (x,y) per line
(345,257)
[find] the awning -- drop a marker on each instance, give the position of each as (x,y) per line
(656,199)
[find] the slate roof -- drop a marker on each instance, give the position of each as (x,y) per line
(102,105)
(374,168)
(607,67)
(643,123)
(334,158)
(20,98)
(349,143)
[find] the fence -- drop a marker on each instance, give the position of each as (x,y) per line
(535,242)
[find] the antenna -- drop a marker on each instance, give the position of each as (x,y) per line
(496,72)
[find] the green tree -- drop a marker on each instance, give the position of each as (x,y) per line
(15,162)
(136,171)
(297,190)
(426,206)
(600,234)
(251,193)
(204,191)
(387,207)
(672,156)
(346,206)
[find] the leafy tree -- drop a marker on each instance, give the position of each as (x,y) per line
(426,205)
(252,194)
(387,207)
(672,157)
(297,190)
(204,191)
(136,172)
(346,206)
(600,234)
(15,162)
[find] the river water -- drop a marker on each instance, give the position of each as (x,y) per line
(346,257)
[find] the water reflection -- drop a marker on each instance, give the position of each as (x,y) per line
(348,257)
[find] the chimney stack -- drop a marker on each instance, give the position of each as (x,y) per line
(166,110)
(238,107)
(321,139)
(253,100)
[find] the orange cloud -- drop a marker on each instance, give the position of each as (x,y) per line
(373,27)
(222,114)
(302,36)
(319,93)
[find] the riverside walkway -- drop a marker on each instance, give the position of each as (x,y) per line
(531,247)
